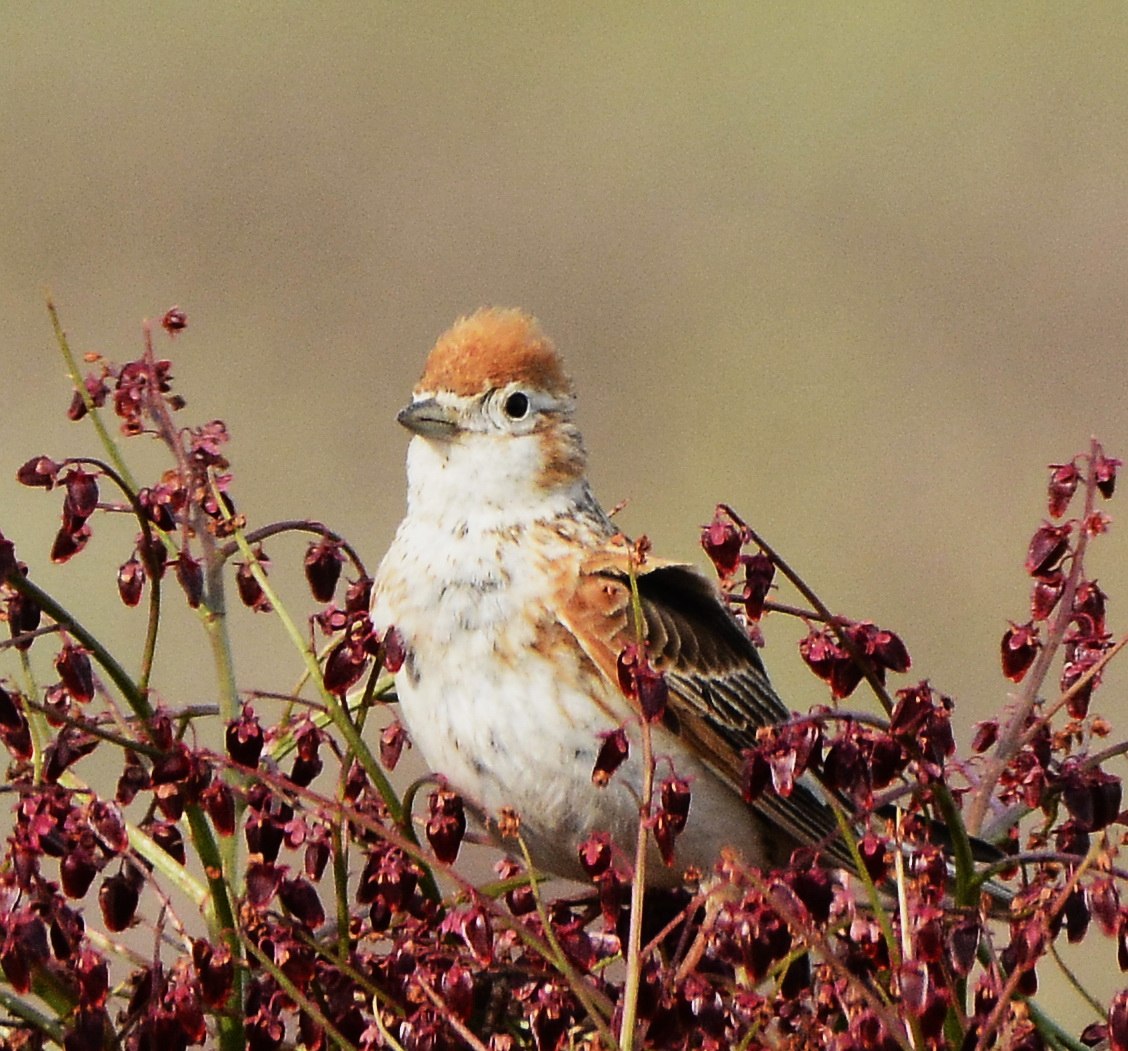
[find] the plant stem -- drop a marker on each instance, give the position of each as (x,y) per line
(633,982)
(91,409)
(136,700)
(223,925)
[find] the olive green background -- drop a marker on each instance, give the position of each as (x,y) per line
(859,270)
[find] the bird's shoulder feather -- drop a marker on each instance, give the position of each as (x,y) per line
(719,692)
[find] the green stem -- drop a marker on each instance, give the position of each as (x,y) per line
(136,700)
(39,1022)
(91,409)
(215,624)
(333,704)
(222,925)
(300,998)
(966,883)
(633,982)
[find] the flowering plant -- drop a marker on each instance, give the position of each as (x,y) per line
(253,877)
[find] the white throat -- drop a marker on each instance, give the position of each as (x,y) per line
(482,483)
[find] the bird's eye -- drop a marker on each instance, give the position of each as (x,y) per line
(517,405)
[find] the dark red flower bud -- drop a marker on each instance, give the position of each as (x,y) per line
(69,746)
(244,738)
(301,901)
(23,617)
(474,926)
(843,767)
(316,858)
(9,566)
(153,555)
(358,597)
(167,836)
(675,798)
(1019,648)
(174,321)
(93,986)
(986,734)
(215,970)
(304,770)
(69,543)
(392,740)
(1077,916)
(788,751)
(821,653)
(845,675)
(191,576)
(82,494)
(134,778)
(1118,1022)
(722,542)
(77,870)
(262,880)
(813,887)
(219,802)
(1071,674)
(172,767)
(118,899)
(39,472)
(1122,942)
(458,991)
(1044,597)
(446,825)
(131,581)
(875,856)
(595,854)
(14,729)
(1047,548)
(1104,900)
(264,834)
(887,759)
(344,666)
(73,666)
(107,820)
(758,573)
(640,681)
(323,562)
(521,900)
(912,712)
(356,781)
(395,651)
(1063,484)
(1104,471)
(612,753)
(665,835)
(1093,798)
(96,389)
(963,944)
(889,651)
(16,959)
(754,775)
(1089,601)
(250,590)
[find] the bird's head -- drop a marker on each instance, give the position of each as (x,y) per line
(492,416)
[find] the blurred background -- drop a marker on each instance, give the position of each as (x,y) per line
(860,272)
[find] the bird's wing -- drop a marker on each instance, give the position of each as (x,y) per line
(719,691)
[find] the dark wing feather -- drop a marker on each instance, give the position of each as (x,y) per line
(720,694)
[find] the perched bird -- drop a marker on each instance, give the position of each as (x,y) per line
(510,589)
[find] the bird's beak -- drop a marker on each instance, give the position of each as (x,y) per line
(430,419)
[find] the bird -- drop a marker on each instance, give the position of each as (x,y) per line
(510,590)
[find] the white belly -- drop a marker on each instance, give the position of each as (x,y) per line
(509,725)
